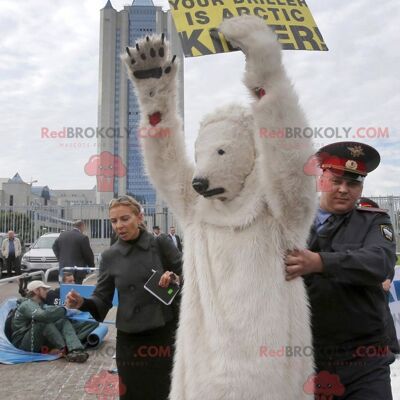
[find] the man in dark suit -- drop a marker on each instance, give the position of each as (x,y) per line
(175,238)
(351,252)
(72,249)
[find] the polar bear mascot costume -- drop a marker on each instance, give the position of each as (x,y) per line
(244,203)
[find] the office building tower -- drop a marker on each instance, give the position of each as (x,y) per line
(120,166)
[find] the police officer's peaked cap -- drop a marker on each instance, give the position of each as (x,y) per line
(353,160)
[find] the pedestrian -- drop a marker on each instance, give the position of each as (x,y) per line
(11,249)
(53,297)
(72,249)
(142,322)
(175,238)
(156,230)
(35,327)
(351,252)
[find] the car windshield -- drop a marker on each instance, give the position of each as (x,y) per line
(44,243)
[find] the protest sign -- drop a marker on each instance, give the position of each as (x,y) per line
(197,21)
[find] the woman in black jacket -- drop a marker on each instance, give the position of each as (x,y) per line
(145,326)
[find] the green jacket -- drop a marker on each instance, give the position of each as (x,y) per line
(28,311)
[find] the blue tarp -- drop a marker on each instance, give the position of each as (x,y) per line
(11,355)
(83,290)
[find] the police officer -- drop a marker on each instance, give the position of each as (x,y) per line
(351,252)
(367,204)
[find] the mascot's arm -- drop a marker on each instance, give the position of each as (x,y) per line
(153,74)
(289,192)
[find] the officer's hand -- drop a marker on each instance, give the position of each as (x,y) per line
(302,262)
(73,300)
(167,278)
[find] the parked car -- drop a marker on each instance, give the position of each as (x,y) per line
(40,256)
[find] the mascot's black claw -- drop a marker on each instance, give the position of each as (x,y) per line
(214,33)
(157,72)
(130,56)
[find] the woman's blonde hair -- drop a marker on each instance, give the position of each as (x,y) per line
(130,202)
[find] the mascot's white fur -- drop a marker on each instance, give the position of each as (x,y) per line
(255,203)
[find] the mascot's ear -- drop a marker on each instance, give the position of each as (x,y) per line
(127,50)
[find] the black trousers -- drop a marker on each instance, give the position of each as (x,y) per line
(363,378)
(144,363)
(12,263)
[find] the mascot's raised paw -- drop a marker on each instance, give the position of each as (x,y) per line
(150,58)
(250,34)
(260,45)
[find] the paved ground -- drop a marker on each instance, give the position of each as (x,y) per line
(59,379)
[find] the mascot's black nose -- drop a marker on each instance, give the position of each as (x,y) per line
(200,185)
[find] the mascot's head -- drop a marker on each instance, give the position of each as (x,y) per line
(224,153)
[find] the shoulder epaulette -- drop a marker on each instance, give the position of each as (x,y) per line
(372,209)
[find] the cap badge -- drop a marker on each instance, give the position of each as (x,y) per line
(351,164)
(356,151)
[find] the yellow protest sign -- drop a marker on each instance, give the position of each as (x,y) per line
(196,22)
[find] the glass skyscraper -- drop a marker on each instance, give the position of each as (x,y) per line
(118,113)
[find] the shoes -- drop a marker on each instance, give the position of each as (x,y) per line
(77,356)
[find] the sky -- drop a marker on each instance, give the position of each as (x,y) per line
(49,54)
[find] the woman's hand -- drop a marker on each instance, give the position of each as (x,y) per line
(167,278)
(73,300)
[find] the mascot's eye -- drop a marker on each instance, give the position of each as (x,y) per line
(220,152)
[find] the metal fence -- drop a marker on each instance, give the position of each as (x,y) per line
(33,221)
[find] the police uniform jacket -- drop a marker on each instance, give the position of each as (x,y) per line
(127,266)
(347,300)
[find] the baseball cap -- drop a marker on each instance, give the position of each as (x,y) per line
(36,285)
